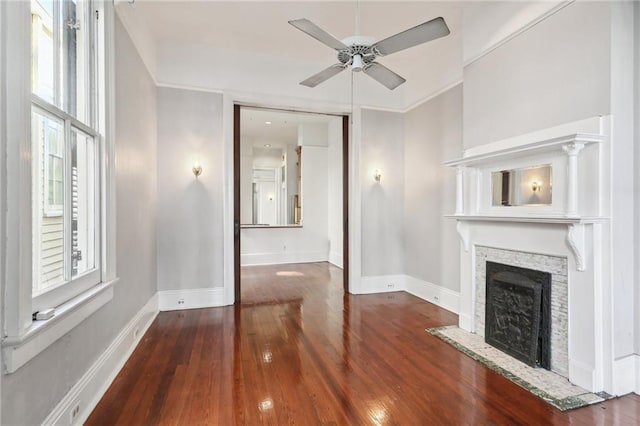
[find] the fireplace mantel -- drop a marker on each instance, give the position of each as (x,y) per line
(577,202)
(527,149)
(573,228)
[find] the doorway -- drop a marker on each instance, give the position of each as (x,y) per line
(271,155)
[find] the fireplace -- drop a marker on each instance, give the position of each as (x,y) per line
(518,312)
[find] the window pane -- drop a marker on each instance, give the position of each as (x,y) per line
(48,227)
(84,222)
(75,33)
(42,50)
(61,55)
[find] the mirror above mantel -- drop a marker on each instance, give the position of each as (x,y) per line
(526,186)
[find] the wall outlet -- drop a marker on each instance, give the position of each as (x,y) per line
(136,332)
(391,285)
(180,301)
(436,298)
(75,411)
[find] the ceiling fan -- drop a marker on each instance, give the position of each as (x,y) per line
(361,52)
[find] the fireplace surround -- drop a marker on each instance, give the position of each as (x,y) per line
(556,268)
(568,239)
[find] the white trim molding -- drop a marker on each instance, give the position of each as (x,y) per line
(625,375)
(93,384)
(517,32)
(251,259)
(637,387)
(194,298)
(381,284)
(441,296)
(336,259)
(17,351)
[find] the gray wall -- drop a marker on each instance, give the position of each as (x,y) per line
(433,134)
(29,394)
(382,203)
(556,72)
(189,209)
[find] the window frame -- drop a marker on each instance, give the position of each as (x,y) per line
(70,286)
(24,338)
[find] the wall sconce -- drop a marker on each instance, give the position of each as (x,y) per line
(535,186)
(377,175)
(196,169)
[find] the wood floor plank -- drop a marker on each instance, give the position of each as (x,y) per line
(299,351)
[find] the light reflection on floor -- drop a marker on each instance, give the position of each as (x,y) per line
(289,274)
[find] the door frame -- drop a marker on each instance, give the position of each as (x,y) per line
(346,145)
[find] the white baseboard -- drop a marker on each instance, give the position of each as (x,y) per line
(283,257)
(88,391)
(432,293)
(625,373)
(195,298)
(381,284)
(637,389)
(582,375)
(465,323)
(336,259)
(441,296)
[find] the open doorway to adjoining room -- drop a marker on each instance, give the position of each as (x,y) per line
(290,189)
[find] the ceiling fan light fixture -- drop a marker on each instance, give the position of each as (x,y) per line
(356,64)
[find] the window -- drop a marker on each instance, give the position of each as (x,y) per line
(57,120)
(65,147)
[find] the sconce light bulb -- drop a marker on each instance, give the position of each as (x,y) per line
(197,169)
(377,175)
(535,186)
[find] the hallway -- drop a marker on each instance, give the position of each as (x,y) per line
(299,351)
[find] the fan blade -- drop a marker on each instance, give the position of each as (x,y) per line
(318,33)
(383,75)
(323,75)
(422,33)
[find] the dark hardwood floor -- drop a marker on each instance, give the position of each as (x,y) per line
(299,351)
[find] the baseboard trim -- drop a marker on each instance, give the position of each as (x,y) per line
(441,296)
(195,298)
(381,284)
(336,259)
(432,293)
(582,375)
(637,389)
(283,257)
(625,374)
(465,323)
(88,391)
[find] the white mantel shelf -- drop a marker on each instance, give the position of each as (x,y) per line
(526,149)
(575,230)
(563,220)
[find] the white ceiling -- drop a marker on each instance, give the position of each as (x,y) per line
(261,27)
(248,46)
(283,127)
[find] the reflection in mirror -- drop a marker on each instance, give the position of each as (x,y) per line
(272,147)
(528,186)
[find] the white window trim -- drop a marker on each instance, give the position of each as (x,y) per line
(23,338)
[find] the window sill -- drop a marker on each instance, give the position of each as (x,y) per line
(19,350)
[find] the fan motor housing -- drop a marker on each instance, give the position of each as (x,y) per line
(358,45)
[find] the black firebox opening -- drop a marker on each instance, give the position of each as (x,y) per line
(518,313)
